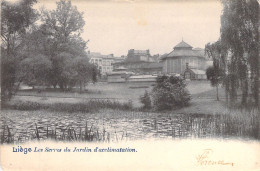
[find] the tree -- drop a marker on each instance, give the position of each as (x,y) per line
(34,70)
(85,71)
(79,71)
(170,92)
(63,22)
(15,22)
(62,28)
(60,73)
(240,41)
(57,40)
(215,75)
(146,100)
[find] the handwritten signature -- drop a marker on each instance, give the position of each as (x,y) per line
(204,159)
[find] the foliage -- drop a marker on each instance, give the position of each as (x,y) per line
(170,92)
(51,54)
(90,106)
(64,21)
(71,71)
(66,49)
(15,20)
(27,105)
(240,46)
(216,76)
(8,72)
(62,28)
(83,71)
(146,100)
(217,52)
(35,69)
(60,73)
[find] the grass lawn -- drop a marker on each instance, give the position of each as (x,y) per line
(121,92)
(203,95)
(205,103)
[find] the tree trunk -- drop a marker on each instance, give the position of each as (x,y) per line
(226,94)
(61,85)
(256,89)
(244,88)
(217,92)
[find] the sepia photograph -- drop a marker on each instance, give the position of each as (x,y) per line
(153,82)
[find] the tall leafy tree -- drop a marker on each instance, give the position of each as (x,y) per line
(34,70)
(240,39)
(16,20)
(63,22)
(215,73)
(83,71)
(62,28)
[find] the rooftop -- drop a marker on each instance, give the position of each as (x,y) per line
(199,72)
(185,52)
(133,51)
(99,55)
(198,48)
(182,45)
(184,49)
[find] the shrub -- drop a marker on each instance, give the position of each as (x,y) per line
(146,100)
(170,92)
(90,106)
(27,105)
(71,107)
(126,105)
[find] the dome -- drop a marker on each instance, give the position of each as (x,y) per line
(183,49)
(182,45)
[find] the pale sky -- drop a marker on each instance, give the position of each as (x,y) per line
(116,26)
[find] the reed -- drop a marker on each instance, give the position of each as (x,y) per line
(6,136)
(241,122)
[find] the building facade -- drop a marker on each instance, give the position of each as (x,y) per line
(140,62)
(184,55)
(103,62)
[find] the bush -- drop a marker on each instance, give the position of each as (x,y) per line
(90,106)
(27,105)
(170,92)
(146,100)
(71,107)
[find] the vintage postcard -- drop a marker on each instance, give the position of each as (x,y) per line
(130,85)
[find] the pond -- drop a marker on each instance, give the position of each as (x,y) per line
(115,126)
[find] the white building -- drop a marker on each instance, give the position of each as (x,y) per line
(103,62)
